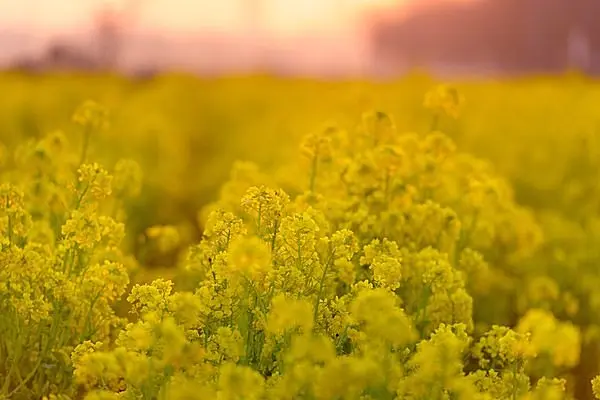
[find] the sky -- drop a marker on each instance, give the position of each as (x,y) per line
(277,16)
(308,35)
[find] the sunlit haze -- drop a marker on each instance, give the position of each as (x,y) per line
(191,15)
(300,35)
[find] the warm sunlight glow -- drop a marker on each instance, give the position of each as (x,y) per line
(282,16)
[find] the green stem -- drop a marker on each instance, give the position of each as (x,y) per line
(274,237)
(465,238)
(514,388)
(313,172)
(328,264)
(259,217)
(47,347)
(86,143)
(387,181)
(81,196)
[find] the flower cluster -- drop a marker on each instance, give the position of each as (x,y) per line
(63,270)
(384,264)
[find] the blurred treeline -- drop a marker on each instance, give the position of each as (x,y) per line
(509,36)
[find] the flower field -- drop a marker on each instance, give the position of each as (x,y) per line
(268,238)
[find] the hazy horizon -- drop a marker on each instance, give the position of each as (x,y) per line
(311,36)
(192,16)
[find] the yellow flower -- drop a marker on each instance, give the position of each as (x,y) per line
(238,382)
(596,387)
(82,229)
(127,181)
(560,340)
(150,298)
(250,257)
(166,237)
(288,314)
(91,114)
(445,99)
(95,181)
(378,313)
(385,260)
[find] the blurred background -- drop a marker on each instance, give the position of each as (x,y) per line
(307,37)
(193,137)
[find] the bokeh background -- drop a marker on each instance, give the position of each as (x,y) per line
(195,88)
(309,37)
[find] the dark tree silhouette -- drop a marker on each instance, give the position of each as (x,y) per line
(110,22)
(513,35)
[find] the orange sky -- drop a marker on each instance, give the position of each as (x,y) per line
(281,16)
(302,35)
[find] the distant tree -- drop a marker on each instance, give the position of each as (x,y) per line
(111,19)
(515,35)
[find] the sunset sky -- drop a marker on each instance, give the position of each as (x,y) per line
(191,15)
(307,35)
